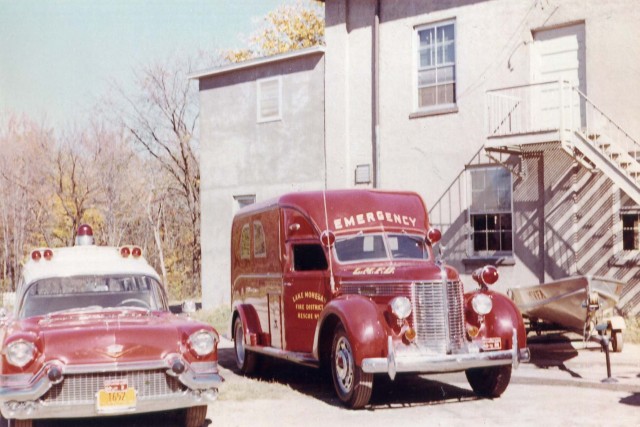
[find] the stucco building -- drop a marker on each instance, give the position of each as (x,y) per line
(515,121)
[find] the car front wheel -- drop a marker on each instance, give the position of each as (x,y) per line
(489,382)
(352,385)
(195,416)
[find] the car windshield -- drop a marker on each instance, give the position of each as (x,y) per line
(80,292)
(383,246)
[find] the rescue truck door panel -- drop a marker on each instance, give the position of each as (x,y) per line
(305,293)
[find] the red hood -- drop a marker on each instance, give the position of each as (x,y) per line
(110,336)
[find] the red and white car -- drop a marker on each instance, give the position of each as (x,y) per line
(92,335)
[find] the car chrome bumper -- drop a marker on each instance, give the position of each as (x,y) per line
(22,400)
(427,363)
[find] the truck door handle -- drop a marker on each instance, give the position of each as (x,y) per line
(287,283)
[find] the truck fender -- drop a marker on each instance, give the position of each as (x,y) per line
(500,322)
(250,321)
(362,320)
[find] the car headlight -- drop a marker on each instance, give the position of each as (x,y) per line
(20,353)
(482,304)
(400,307)
(203,343)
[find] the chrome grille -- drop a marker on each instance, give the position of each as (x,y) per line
(82,388)
(433,304)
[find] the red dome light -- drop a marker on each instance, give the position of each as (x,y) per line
(125,251)
(84,235)
(36,255)
(48,254)
(136,252)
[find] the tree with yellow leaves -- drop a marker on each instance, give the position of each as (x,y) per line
(289,27)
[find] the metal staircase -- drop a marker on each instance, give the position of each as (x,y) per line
(558,112)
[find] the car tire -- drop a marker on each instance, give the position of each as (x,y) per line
(195,416)
(352,385)
(489,382)
(246,360)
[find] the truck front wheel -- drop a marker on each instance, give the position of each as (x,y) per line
(489,382)
(246,360)
(352,385)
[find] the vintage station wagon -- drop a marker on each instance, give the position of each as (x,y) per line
(349,279)
(92,335)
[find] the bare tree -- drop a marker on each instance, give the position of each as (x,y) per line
(162,119)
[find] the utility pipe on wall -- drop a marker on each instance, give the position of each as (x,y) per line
(375,87)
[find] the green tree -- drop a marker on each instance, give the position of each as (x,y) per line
(289,27)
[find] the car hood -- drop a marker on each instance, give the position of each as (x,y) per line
(110,337)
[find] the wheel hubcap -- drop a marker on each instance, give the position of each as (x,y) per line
(344,365)
(239,345)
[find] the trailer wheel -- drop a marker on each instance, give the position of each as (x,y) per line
(246,360)
(489,382)
(617,341)
(352,385)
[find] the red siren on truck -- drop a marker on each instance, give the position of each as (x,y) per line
(487,275)
(84,237)
(434,235)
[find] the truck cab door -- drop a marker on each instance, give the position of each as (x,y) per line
(305,293)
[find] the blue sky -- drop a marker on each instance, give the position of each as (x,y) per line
(58,57)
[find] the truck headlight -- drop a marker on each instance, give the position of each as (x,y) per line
(482,304)
(203,343)
(400,307)
(20,353)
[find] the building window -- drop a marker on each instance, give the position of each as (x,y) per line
(269,99)
(244,200)
(490,212)
(436,66)
(630,231)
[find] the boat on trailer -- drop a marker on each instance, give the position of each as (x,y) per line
(582,304)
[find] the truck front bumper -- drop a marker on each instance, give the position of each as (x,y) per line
(422,362)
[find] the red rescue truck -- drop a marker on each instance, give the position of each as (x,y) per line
(349,279)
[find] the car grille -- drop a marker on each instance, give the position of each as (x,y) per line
(82,388)
(437,314)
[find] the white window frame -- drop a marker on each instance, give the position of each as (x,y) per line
(417,68)
(471,231)
(259,84)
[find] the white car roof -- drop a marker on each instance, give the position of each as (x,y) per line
(83,261)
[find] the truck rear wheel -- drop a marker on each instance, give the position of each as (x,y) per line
(352,385)
(246,360)
(489,382)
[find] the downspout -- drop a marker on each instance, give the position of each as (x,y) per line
(375,89)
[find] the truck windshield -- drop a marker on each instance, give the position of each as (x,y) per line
(368,247)
(60,294)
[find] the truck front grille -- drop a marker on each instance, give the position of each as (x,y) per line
(438,310)
(82,388)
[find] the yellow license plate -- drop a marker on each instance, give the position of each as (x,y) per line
(116,400)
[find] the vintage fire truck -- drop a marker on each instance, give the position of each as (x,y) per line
(92,335)
(349,279)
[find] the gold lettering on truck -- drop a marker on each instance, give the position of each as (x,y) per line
(308,305)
